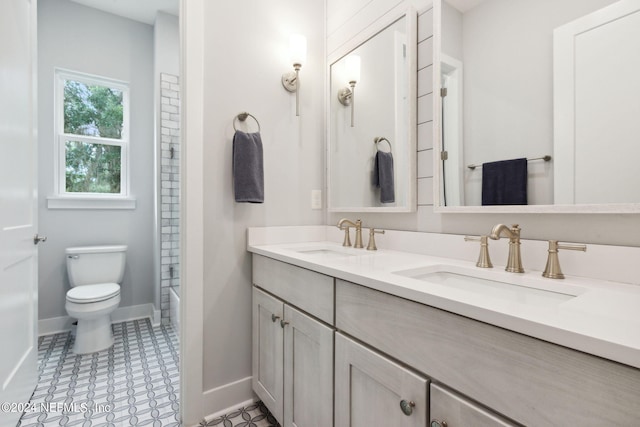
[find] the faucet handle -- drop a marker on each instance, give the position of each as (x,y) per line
(372,239)
(484,261)
(552,269)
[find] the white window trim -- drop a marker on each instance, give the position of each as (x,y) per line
(61,199)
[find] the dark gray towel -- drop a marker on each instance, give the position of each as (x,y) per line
(504,182)
(248,168)
(383,176)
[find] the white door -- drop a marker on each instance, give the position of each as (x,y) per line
(18,220)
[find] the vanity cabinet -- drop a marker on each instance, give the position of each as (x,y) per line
(450,410)
(268,351)
(292,351)
(529,381)
(372,390)
(404,363)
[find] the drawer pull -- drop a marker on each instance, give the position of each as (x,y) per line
(407,407)
(283,323)
(274,318)
(437,423)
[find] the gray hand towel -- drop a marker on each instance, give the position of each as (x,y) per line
(248,168)
(504,182)
(383,176)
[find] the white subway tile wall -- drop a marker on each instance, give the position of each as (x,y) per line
(170,191)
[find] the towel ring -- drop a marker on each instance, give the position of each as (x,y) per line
(380,139)
(242,117)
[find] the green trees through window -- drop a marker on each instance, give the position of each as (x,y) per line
(93,165)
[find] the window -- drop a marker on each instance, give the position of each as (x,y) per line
(92,138)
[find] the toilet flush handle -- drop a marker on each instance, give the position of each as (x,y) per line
(73,256)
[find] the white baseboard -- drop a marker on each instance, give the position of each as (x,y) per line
(230,409)
(229,397)
(54,325)
(157,317)
(121,314)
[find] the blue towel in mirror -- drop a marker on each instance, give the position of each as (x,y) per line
(248,168)
(383,176)
(504,182)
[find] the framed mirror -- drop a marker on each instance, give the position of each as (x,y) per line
(539,107)
(371,150)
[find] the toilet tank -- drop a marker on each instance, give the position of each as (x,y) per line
(89,265)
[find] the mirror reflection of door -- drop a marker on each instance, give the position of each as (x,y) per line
(507,50)
(452,131)
(597,105)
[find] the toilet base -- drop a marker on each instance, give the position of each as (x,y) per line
(93,335)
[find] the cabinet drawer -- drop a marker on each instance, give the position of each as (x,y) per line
(530,381)
(450,410)
(310,291)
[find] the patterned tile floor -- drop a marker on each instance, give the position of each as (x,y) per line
(256,415)
(134,383)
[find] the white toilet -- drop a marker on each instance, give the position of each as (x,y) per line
(95,273)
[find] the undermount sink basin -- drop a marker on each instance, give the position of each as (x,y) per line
(324,252)
(519,289)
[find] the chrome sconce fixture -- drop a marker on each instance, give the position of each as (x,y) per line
(347,95)
(291,79)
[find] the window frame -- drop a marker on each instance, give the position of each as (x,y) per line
(80,199)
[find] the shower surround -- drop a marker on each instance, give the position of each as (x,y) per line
(170,195)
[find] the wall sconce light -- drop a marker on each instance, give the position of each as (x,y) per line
(291,79)
(346,95)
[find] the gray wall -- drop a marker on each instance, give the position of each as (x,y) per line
(166,34)
(613,229)
(246,52)
(82,39)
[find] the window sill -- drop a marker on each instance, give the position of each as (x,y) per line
(62,202)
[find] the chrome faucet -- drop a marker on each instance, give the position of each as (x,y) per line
(514,261)
(357,225)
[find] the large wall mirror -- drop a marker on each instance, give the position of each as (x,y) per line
(540,107)
(372,120)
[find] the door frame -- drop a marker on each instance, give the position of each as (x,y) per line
(192,36)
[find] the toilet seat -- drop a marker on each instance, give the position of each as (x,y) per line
(93,293)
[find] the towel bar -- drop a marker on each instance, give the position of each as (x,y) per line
(545,158)
(380,139)
(242,117)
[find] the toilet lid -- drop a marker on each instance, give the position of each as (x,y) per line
(93,293)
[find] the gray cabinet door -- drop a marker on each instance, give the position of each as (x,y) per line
(308,371)
(267,357)
(371,390)
(450,410)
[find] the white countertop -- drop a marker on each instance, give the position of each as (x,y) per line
(598,317)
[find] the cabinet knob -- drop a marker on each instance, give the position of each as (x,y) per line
(407,407)
(274,318)
(283,323)
(438,423)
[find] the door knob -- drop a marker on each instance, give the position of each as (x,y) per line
(38,238)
